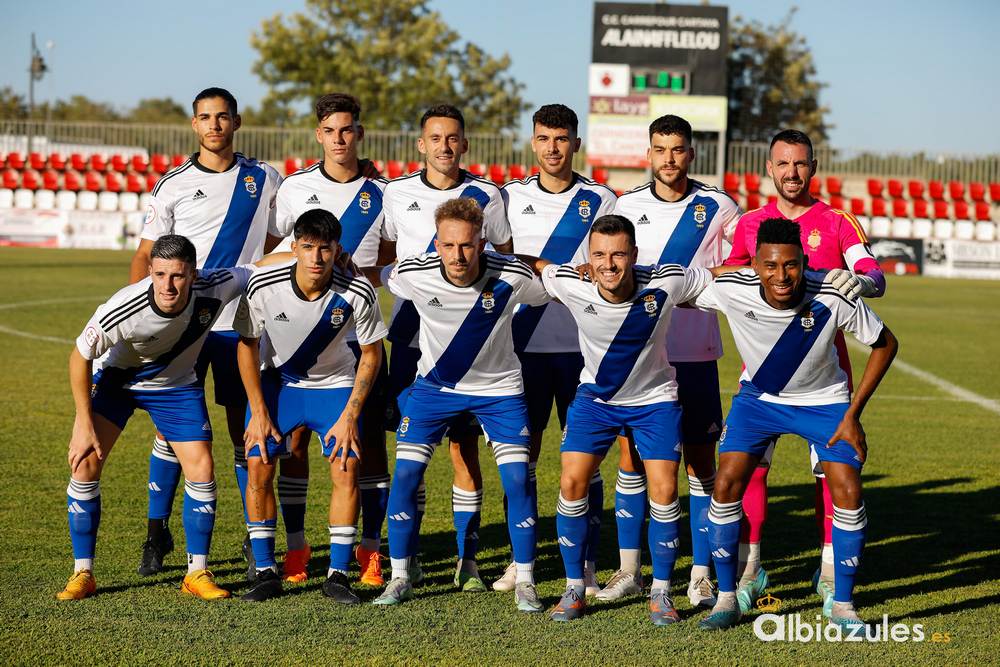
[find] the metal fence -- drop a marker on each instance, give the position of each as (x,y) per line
(276,144)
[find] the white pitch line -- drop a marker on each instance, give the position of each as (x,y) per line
(959,393)
(42,302)
(33,336)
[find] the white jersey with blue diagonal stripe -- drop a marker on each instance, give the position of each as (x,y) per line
(465,332)
(133,341)
(554,226)
(306,341)
(624,344)
(688,232)
(789,354)
(226,215)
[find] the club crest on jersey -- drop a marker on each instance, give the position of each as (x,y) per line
(650,304)
(808,321)
(488,302)
(205,315)
(814,239)
(584,208)
(337,317)
(404,425)
(700,215)
(250,184)
(364,201)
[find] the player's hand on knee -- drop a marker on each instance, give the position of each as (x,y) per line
(345,437)
(256,434)
(82,443)
(845,282)
(850,431)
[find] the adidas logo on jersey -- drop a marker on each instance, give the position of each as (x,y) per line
(590,310)
(280,317)
(528,210)
(199,195)
(750,316)
(313,200)
(435,303)
(643,220)
(413,207)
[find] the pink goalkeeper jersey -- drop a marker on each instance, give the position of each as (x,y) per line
(831,238)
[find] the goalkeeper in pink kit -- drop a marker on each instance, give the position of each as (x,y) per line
(834,240)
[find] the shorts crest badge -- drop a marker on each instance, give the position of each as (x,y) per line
(584,208)
(488,302)
(700,215)
(250,184)
(404,425)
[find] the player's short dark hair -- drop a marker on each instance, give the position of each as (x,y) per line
(174,246)
(670,124)
(556,116)
(331,103)
(443,111)
(792,137)
(465,209)
(209,93)
(612,224)
(319,225)
(780,232)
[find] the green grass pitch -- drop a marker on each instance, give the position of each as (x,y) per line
(933,556)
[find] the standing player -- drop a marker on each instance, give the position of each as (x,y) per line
(338,185)
(784,321)
(832,239)
(627,386)
(550,215)
(305,309)
(678,220)
(409,229)
(465,298)
(146,340)
(224,203)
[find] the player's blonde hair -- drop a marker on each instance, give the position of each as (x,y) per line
(464,209)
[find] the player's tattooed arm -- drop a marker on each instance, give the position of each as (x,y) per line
(345,432)
(260,427)
(83,442)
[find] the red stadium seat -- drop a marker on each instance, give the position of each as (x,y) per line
(15,161)
(57,161)
(878,207)
(3,161)
(956,191)
(977,191)
(292,165)
(815,187)
(874,187)
(535,170)
(752,182)
(311,161)
(836,201)
(151,179)
(916,189)
(395,168)
(995,192)
(139,164)
(982,211)
(178,160)
(112,182)
(940,209)
(895,188)
(899,207)
(11,178)
(413,167)
(119,163)
(961,210)
(919,208)
(771,199)
(834,186)
(600,175)
(71,181)
(97,162)
(93,182)
(160,163)
(133,183)
(935,189)
(36,161)
(78,162)
(517,171)
(50,179)
(753,201)
(857,206)
(379,165)
(30,179)
(497,174)
(731,182)
(478,169)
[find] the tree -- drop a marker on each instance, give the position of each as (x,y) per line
(158,110)
(78,108)
(12,105)
(772,82)
(396,56)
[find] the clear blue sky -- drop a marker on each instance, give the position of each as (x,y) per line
(902,75)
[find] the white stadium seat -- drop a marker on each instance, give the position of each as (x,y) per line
(902,228)
(943,229)
(86,200)
(965,230)
(866,224)
(24,198)
(144,201)
(65,200)
(986,230)
(107,202)
(45,200)
(128,202)
(880,226)
(922,228)
(6,198)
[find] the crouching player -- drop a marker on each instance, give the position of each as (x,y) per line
(146,340)
(303,311)
(785,321)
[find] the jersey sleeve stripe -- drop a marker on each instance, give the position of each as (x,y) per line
(854,223)
(169,175)
(264,283)
(268,273)
(407,269)
(356,286)
(123,307)
(124,316)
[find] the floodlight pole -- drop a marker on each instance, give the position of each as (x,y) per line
(36,69)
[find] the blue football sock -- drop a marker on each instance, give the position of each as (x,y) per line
(512,462)
(419,520)
(571,527)
(342,547)
(262,542)
(700,497)
(595,504)
(374,500)
(199,515)
(292,492)
(83,508)
(466,507)
(848,543)
(242,476)
(164,475)
(532,487)
(664,538)
(724,541)
(402,512)
(630,508)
